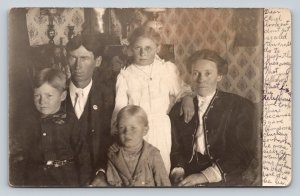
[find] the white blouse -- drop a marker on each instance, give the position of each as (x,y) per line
(155,87)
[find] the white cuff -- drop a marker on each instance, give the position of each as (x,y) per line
(212,174)
(177,170)
(100,170)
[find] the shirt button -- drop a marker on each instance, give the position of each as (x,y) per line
(208,145)
(44,134)
(211,158)
(95,107)
(93,130)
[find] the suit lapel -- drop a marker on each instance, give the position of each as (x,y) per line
(93,104)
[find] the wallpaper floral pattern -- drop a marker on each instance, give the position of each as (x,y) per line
(188,30)
(37,25)
(194,29)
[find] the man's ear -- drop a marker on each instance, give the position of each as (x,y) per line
(98,61)
(219,78)
(63,95)
(146,130)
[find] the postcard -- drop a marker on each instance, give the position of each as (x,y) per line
(150,97)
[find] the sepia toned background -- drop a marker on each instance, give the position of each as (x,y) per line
(237,34)
(293,5)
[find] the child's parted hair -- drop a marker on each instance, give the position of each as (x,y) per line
(210,55)
(56,78)
(147,32)
(132,110)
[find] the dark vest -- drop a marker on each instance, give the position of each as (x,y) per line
(95,122)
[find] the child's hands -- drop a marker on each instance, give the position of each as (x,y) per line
(177,176)
(99,180)
(193,180)
(187,108)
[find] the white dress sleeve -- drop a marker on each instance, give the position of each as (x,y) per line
(178,88)
(121,99)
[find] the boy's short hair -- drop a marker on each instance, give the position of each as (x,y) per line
(56,78)
(93,42)
(133,110)
(210,55)
(147,32)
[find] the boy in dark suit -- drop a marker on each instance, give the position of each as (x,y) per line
(54,152)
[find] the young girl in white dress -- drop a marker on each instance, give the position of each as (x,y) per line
(153,84)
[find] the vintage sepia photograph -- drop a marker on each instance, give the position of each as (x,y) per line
(139,97)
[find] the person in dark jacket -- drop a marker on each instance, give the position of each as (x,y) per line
(219,144)
(91,99)
(53,149)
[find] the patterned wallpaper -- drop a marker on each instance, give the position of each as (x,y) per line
(190,30)
(194,29)
(37,25)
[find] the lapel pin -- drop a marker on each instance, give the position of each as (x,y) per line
(95,107)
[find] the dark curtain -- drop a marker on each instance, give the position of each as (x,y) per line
(20,91)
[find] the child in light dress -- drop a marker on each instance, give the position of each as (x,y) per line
(153,84)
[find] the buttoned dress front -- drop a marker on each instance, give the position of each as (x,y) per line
(230,138)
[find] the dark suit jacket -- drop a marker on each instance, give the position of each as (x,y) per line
(95,120)
(54,138)
(230,135)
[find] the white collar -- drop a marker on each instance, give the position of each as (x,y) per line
(207,98)
(73,89)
